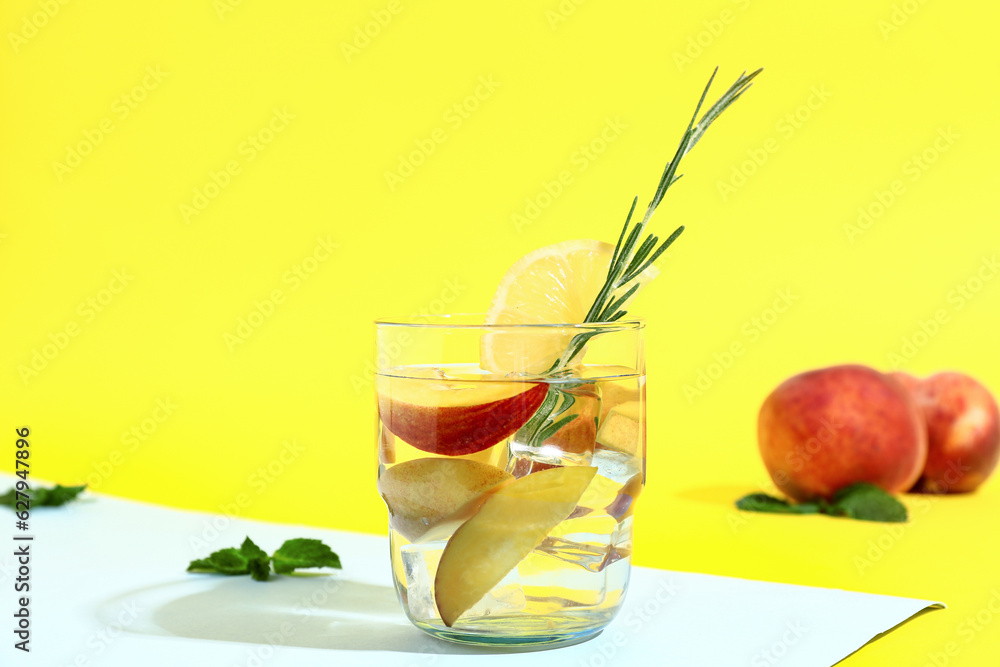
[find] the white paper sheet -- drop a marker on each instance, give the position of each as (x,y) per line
(108,587)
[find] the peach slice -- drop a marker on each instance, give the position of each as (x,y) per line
(622,428)
(613,395)
(508,526)
(424,492)
(454,418)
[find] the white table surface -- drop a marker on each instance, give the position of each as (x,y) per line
(109,587)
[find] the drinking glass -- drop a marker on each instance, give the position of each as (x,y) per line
(510,458)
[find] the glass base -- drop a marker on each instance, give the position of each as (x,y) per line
(521,632)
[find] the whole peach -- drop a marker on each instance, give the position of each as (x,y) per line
(963,432)
(828,428)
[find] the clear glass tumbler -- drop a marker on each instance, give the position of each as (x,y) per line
(510,459)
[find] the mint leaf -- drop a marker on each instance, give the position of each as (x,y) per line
(303,552)
(862,501)
(43,497)
(761,502)
(260,568)
(251,550)
(57,495)
(224,561)
(251,559)
(201,564)
(867,502)
(248,559)
(257,561)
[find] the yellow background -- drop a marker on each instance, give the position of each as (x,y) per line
(852,95)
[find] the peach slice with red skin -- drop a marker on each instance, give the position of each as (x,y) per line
(454,418)
(423,493)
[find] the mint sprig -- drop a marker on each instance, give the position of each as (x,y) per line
(251,559)
(861,501)
(43,497)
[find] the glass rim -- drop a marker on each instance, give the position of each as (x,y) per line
(454,321)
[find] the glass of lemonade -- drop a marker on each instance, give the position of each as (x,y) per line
(511,450)
(510,458)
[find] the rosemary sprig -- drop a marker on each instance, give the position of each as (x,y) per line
(548,419)
(630,258)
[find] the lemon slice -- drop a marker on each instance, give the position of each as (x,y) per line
(556,284)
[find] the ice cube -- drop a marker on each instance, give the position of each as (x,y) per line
(616,465)
(519,466)
(615,487)
(566,436)
(420,563)
(504,597)
(624,502)
(593,552)
(587,555)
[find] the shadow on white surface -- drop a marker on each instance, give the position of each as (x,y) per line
(303,611)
